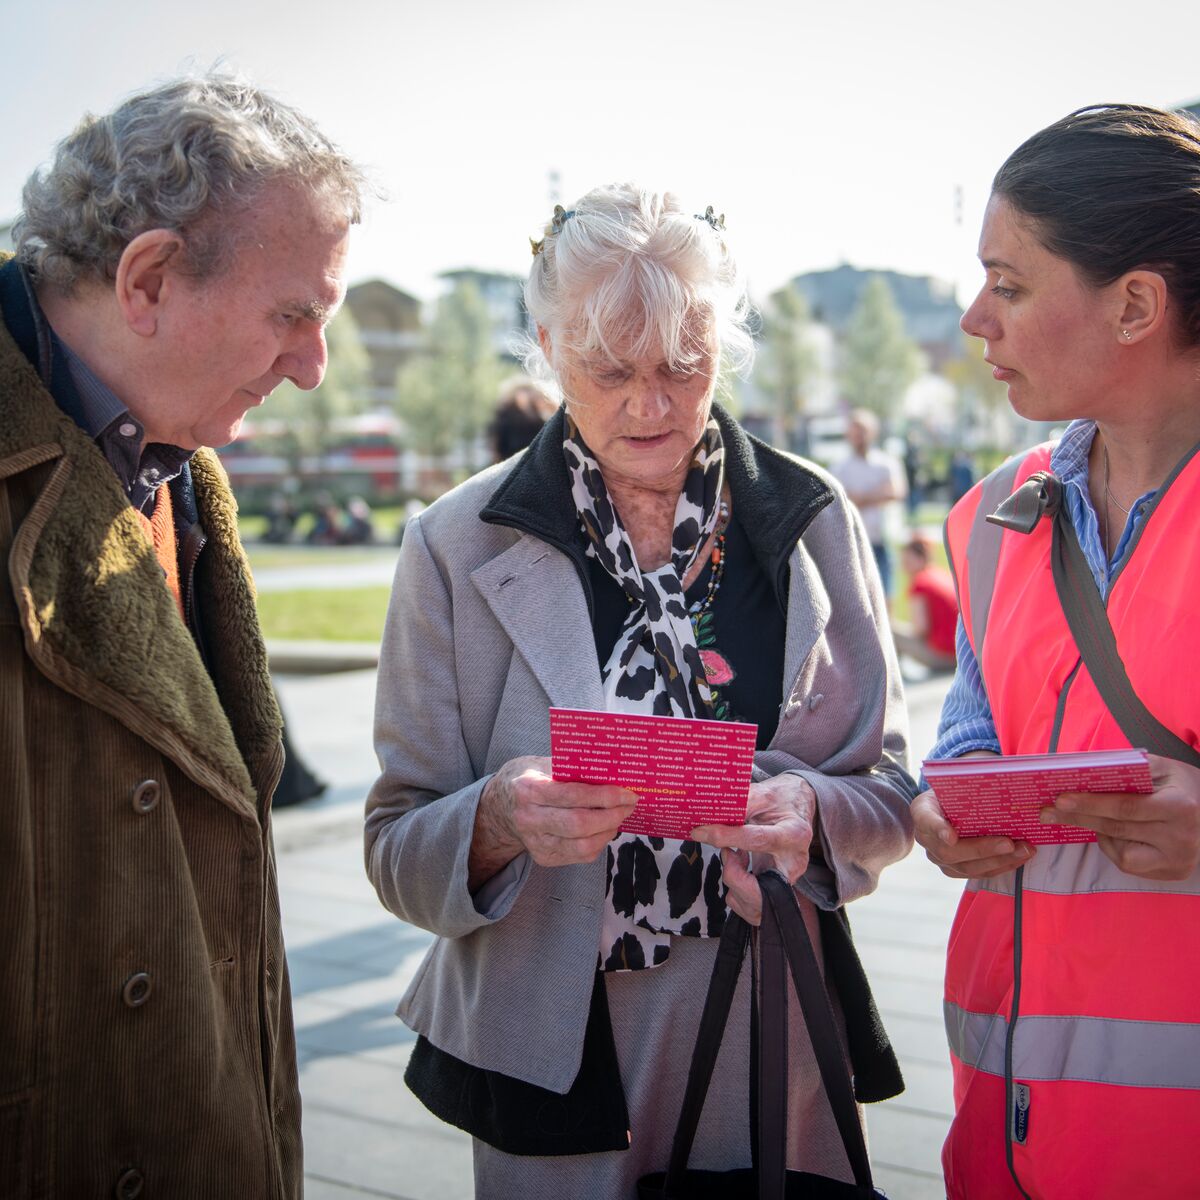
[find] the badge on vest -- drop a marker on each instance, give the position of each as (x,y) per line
(1020,1113)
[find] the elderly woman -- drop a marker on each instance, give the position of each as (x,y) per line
(1073,980)
(644,555)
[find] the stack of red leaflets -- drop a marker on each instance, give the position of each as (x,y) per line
(686,772)
(1002,796)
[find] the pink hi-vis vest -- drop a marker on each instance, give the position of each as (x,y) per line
(1073,996)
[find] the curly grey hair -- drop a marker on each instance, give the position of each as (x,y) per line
(189,156)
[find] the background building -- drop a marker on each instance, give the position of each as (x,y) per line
(504,296)
(389,326)
(928,306)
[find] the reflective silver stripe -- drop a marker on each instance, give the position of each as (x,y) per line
(1160,1054)
(983,550)
(1082,869)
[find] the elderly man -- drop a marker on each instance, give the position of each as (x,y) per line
(177,260)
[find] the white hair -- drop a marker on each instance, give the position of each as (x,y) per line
(189,156)
(630,273)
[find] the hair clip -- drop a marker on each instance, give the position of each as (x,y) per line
(560,218)
(718,223)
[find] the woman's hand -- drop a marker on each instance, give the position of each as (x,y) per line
(781,817)
(1154,835)
(523,808)
(963,858)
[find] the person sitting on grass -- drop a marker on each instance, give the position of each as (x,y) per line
(928,636)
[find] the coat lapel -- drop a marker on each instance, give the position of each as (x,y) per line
(97,619)
(560,652)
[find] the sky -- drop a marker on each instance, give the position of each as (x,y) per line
(838,132)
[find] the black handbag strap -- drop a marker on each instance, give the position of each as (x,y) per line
(730,954)
(780,900)
(1089,625)
(782,939)
(771,1059)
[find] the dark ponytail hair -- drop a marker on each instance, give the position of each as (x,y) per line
(1113,188)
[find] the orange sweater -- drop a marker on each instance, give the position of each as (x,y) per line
(159,527)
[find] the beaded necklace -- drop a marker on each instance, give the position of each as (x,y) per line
(717,558)
(716,668)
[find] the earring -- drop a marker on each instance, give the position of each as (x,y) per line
(1128,335)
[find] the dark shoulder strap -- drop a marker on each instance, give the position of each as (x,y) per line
(1089,625)
(781,909)
(730,955)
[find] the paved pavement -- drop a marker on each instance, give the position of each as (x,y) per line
(366,1136)
(340,567)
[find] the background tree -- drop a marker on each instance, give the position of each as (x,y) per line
(446,396)
(787,365)
(879,361)
(302,423)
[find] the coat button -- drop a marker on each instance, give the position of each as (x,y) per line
(137,991)
(145,796)
(130,1185)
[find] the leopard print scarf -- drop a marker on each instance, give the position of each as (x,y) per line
(655,887)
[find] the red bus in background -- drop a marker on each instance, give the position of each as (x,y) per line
(363,458)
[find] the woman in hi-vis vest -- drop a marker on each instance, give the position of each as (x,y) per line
(1073,974)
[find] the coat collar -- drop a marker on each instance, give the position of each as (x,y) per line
(97,619)
(775,496)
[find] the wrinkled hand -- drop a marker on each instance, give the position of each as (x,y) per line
(963,858)
(781,817)
(523,808)
(1154,835)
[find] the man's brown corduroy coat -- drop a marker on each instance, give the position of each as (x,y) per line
(146,1042)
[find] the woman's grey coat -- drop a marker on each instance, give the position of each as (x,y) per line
(489,625)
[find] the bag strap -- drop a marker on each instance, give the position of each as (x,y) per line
(782,938)
(780,899)
(771,1059)
(721,986)
(1088,621)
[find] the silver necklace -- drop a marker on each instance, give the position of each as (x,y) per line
(1107,494)
(1109,498)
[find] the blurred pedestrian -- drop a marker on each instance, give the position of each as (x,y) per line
(328,522)
(1072,999)
(521,411)
(281,519)
(928,635)
(914,474)
(175,262)
(357,524)
(962,475)
(874,481)
(413,506)
(298,782)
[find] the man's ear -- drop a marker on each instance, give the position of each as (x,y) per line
(544,342)
(145,274)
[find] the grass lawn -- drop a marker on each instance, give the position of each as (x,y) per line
(325,614)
